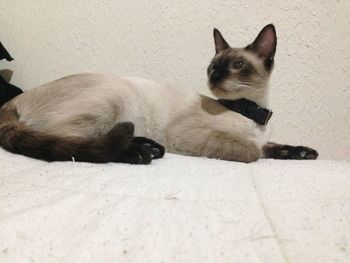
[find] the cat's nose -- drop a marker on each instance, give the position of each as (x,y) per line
(215,67)
(217,74)
(215,77)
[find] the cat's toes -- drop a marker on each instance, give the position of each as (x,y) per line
(155,149)
(289,152)
(305,153)
(311,154)
(135,154)
(141,151)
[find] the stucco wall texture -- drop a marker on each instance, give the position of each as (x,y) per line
(171,41)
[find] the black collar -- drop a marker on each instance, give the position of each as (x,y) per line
(248,109)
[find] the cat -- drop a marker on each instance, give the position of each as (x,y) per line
(105,118)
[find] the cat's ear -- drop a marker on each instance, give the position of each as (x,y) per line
(220,42)
(264,45)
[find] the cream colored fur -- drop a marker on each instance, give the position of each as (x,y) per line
(89,105)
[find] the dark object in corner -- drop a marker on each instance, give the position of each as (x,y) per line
(7,90)
(4,54)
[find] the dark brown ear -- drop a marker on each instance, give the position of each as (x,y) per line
(265,44)
(220,42)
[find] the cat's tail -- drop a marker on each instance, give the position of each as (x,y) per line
(17,138)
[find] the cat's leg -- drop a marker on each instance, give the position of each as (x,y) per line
(282,151)
(225,146)
(213,144)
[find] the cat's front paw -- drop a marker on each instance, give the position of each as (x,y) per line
(289,152)
(304,153)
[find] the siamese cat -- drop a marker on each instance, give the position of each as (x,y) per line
(105,118)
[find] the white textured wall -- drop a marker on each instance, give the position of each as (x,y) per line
(172,42)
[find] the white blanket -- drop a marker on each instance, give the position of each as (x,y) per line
(178,209)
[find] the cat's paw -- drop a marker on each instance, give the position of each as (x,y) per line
(142,151)
(135,154)
(155,149)
(304,153)
(289,152)
(296,153)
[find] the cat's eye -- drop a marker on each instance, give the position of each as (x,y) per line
(238,65)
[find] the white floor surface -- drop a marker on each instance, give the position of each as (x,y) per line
(178,209)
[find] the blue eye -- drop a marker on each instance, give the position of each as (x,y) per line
(238,65)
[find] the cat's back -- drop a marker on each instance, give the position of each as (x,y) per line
(63,97)
(62,90)
(88,86)
(97,100)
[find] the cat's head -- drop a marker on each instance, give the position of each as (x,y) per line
(243,72)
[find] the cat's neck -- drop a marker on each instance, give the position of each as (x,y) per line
(259,95)
(262,99)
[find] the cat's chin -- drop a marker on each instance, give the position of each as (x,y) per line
(217,90)
(222,93)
